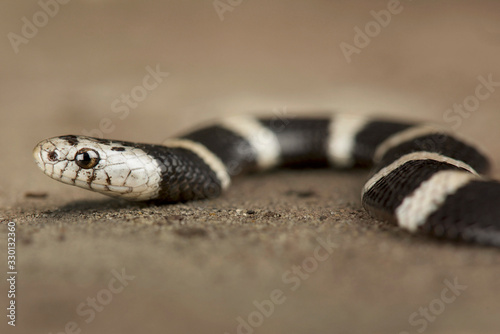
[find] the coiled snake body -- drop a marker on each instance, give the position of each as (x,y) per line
(424,179)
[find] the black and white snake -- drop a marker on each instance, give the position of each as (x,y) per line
(424,179)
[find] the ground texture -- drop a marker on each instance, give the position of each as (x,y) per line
(283,252)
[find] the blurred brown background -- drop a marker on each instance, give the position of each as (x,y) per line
(200,266)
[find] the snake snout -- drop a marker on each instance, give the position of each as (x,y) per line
(46,153)
(37,155)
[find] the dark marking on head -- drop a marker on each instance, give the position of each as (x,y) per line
(108,179)
(118,149)
(126,177)
(76,176)
(91,178)
(103,141)
(71,139)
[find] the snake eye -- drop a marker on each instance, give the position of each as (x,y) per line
(87,158)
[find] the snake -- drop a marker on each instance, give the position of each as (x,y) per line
(424,178)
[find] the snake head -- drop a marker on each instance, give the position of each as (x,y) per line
(114,168)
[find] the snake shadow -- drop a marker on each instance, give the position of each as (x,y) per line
(103,205)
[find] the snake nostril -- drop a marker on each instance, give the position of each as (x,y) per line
(53,156)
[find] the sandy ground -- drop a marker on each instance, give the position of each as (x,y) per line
(283,252)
